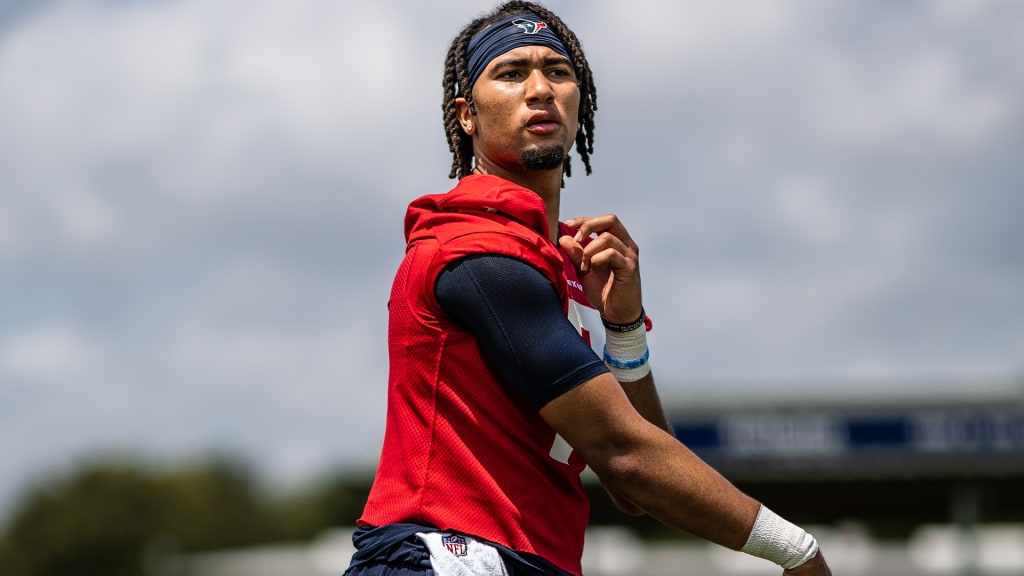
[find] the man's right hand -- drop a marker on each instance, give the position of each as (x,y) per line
(814,567)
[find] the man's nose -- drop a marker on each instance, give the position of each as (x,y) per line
(538,87)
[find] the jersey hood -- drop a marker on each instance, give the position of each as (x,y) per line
(476,198)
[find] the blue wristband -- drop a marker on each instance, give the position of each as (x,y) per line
(627,364)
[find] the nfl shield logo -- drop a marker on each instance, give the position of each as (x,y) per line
(454,543)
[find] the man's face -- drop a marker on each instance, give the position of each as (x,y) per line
(527,102)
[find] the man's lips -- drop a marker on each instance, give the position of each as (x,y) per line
(542,126)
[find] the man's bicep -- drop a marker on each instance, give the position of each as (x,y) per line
(517,316)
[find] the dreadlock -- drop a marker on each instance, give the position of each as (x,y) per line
(456,74)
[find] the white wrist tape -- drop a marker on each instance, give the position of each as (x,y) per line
(625,354)
(782,542)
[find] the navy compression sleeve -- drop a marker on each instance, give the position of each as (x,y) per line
(517,317)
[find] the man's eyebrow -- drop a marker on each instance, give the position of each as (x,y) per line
(520,62)
(555,60)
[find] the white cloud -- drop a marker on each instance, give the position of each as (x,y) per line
(44,354)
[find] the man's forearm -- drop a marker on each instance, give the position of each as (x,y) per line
(644,396)
(670,483)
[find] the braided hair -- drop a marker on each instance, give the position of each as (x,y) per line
(456,74)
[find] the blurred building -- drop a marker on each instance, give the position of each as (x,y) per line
(890,463)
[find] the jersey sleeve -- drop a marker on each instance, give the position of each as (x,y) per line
(516,315)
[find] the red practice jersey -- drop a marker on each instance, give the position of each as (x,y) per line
(460,451)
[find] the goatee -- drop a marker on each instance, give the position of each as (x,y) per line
(543,158)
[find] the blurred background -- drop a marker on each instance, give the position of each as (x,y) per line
(201,211)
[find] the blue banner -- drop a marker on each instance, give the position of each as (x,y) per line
(939,432)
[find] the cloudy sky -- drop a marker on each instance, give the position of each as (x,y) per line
(201,208)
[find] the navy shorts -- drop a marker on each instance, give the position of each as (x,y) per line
(396,550)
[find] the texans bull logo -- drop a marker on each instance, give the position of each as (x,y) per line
(529,26)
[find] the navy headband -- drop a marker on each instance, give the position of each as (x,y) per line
(507,34)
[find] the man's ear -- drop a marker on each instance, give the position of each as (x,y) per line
(465,113)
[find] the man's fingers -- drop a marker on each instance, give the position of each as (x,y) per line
(607,241)
(575,252)
(610,258)
(596,225)
(601,253)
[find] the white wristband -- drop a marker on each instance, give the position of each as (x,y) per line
(625,354)
(782,542)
